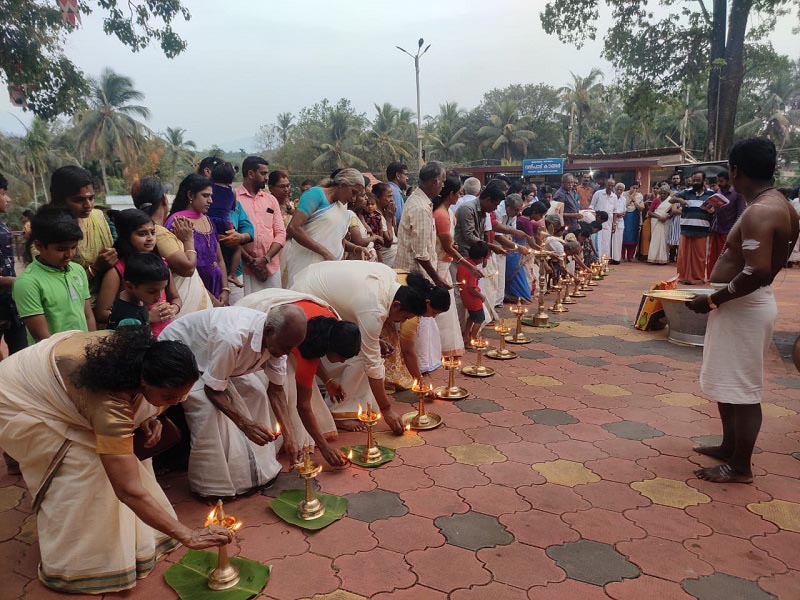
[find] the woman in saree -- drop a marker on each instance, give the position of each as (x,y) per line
(447,254)
(192,202)
(634,205)
(176,246)
(660,215)
(320,223)
(644,238)
(69,409)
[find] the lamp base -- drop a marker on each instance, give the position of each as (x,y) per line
(308,510)
(450,393)
(476,371)
(223,578)
(518,338)
(427,421)
(501,354)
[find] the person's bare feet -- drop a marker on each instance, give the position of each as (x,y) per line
(717,452)
(723,473)
(350,425)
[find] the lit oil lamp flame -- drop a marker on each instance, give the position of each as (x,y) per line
(360,410)
(378,416)
(350,454)
(277,428)
(408,426)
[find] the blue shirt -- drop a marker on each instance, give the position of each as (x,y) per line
(399,200)
(241,224)
(312,200)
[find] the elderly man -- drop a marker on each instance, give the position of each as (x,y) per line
(605,200)
(566,195)
(262,269)
(743,309)
(368,294)
(618,225)
(226,410)
(416,233)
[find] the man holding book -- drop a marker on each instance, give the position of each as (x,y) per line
(724,218)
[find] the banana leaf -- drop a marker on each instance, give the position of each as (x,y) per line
(285,506)
(189,577)
(387,454)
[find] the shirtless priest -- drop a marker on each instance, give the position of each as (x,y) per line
(743,309)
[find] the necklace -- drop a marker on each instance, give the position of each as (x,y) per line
(766,189)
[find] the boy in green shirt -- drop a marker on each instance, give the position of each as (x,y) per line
(52,294)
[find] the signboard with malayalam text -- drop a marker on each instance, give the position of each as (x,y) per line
(542,166)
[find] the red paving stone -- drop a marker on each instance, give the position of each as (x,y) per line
(407,557)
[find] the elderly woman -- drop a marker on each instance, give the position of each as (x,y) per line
(320,223)
(660,215)
(70,407)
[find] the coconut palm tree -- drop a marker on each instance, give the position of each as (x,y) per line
(337,140)
(179,150)
(389,133)
(108,127)
(284,126)
(445,132)
(582,94)
(508,130)
(779,113)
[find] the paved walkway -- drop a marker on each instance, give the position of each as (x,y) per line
(566,476)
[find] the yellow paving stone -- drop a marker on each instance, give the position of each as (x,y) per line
(681,399)
(606,389)
(476,454)
(390,440)
(539,380)
(28,533)
(785,515)
(617,331)
(337,595)
(566,472)
(10,497)
(774,410)
(670,492)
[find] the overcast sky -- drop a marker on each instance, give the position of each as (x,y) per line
(248,60)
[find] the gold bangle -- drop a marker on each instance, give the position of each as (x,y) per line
(226,289)
(90,271)
(192,251)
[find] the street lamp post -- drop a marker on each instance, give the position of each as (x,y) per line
(416,58)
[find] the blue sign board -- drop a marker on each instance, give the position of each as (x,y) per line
(542,166)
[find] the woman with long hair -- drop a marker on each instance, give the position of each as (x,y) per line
(71,410)
(192,202)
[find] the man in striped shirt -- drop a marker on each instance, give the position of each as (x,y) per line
(695,227)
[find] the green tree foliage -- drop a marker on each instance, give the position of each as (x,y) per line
(507,130)
(33,38)
(689,43)
(108,129)
(180,153)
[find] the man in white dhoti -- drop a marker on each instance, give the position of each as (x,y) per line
(320,222)
(618,227)
(368,294)
(605,200)
(328,336)
(743,309)
(227,410)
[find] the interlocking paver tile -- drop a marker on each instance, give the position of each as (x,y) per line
(734,556)
(769,409)
(720,586)
(538,529)
(784,585)
(473,531)
(628,449)
(540,381)
(549,416)
(649,367)
(427,564)
(603,525)
(681,399)
(553,498)
(408,440)
(434,502)
(667,522)
(457,476)
(318,577)
(387,571)
(589,361)
(780,488)
(493,500)
(445,436)
(785,515)
(611,495)
(492,435)
(731,520)
(259,543)
(670,492)
(478,406)
(520,565)
(406,533)
(777,464)
(783,546)
(401,478)
(476,454)
(631,430)
(606,389)
(328,541)
(511,474)
(646,587)
(619,469)
(10,497)
(375,504)
(417,592)
(11,521)
(494,589)
(592,562)
(346,481)
(569,588)
(424,456)
(566,472)
(577,450)
(337,595)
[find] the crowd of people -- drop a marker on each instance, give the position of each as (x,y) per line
(252,324)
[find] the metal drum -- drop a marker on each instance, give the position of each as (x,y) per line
(685,326)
